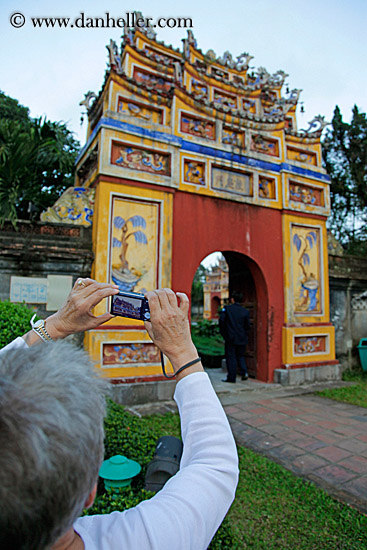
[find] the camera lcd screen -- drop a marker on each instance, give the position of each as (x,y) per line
(126,306)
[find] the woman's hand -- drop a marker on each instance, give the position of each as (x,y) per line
(169,326)
(75,315)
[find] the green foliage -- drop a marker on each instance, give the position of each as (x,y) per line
(10,109)
(355,395)
(205,327)
(136,438)
(14,321)
(345,158)
(117,500)
(207,338)
(37,159)
(197,289)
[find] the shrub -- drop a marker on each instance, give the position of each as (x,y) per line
(14,321)
(207,338)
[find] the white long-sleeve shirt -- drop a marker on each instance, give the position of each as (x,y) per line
(186,513)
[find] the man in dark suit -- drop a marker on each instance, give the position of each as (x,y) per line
(234,325)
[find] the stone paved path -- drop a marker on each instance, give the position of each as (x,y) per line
(322,440)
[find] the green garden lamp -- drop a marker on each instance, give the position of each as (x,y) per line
(118,471)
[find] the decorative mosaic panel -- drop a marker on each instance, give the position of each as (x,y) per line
(306,194)
(307,345)
(249,105)
(233,137)
(306,270)
(139,110)
(225,99)
(194,172)
(130,354)
(267,189)
(199,90)
(264,145)
(198,127)
(134,238)
(137,158)
(300,155)
(230,181)
(152,80)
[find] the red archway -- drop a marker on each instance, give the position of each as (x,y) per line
(249,236)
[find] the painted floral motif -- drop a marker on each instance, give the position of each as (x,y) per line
(75,206)
(309,344)
(139,159)
(264,145)
(197,127)
(124,354)
(299,155)
(306,243)
(123,276)
(266,188)
(306,194)
(194,172)
(159,57)
(232,137)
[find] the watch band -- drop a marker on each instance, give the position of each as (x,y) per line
(40,329)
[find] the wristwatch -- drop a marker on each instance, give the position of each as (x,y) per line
(39,328)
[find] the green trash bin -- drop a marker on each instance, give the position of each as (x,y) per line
(362,348)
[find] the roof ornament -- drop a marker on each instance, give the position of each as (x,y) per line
(115,60)
(243,61)
(227,60)
(211,55)
(278,78)
(146,29)
(88,97)
(316,126)
(260,78)
(191,38)
(294,94)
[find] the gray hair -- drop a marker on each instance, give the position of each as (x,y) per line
(52,405)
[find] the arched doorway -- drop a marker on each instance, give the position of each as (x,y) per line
(244,275)
(215,306)
(241,279)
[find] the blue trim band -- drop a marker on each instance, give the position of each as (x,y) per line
(202,149)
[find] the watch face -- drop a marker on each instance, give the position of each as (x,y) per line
(38,324)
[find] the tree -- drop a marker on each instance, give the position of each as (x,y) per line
(345,158)
(37,159)
(197,291)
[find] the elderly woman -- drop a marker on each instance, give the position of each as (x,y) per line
(52,406)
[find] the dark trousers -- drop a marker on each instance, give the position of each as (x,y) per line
(235,358)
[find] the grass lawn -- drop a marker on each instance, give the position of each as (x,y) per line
(355,395)
(273,509)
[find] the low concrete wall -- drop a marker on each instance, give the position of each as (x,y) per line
(348,308)
(144,392)
(307,375)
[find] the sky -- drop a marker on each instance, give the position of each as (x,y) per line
(321,44)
